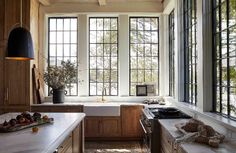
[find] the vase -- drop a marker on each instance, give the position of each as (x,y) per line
(58,96)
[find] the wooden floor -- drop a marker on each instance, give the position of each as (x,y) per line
(114,147)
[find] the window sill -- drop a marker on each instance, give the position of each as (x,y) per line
(75,99)
(195,111)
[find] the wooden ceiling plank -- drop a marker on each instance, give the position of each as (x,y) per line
(102,2)
(45,2)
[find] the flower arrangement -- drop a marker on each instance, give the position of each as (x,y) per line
(59,77)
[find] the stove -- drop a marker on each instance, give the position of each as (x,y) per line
(167,113)
(151,127)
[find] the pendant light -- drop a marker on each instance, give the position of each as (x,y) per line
(20,44)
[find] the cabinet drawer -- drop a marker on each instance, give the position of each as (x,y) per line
(66,146)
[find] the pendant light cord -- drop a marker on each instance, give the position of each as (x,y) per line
(21,14)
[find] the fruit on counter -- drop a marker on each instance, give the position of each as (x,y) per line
(35,129)
(13,122)
(5,123)
(36,116)
(21,120)
(45,117)
(18,117)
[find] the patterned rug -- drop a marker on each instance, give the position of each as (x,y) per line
(113,147)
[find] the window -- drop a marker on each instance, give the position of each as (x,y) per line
(190,52)
(103,56)
(144,52)
(62,44)
(172,53)
(224,57)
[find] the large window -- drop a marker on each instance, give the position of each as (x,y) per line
(172,53)
(224,51)
(190,52)
(144,52)
(62,44)
(103,56)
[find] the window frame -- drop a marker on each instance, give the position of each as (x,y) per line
(171,22)
(158,54)
(103,17)
(220,59)
(48,43)
(187,45)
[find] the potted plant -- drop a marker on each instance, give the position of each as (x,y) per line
(60,77)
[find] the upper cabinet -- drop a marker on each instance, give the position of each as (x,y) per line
(15,76)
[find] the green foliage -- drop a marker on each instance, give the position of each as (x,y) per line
(59,77)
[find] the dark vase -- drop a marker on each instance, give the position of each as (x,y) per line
(58,96)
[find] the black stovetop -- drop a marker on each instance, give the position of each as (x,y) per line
(167,113)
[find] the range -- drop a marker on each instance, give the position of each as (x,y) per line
(151,127)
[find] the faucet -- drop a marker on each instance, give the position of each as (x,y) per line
(104,92)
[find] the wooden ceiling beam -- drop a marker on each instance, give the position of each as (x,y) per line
(102,2)
(45,2)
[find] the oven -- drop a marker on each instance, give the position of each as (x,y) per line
(151,128)
(151,133)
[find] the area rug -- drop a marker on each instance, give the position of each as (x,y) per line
(114,147)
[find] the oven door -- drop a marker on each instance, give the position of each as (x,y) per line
(147,134)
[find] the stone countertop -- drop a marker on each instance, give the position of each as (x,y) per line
(228,146)
(88,104)
(46,140)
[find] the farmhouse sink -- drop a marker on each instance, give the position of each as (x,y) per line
(102,109)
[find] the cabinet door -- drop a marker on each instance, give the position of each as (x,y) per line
(17,74)
(130,116)
(111,127)
(166,141)
(66,146)
(70,109)
(92,127)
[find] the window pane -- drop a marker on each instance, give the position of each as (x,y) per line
(60,47)
(103,56)
(143,51)
(190,51)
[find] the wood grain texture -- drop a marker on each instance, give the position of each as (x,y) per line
(69,109)
(130,116)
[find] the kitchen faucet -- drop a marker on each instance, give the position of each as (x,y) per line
(104,92)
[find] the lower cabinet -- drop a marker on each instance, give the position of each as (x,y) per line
(123,127)
(168,144)
(74,143)
(102,127)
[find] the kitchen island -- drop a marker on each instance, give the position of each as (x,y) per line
(65,134)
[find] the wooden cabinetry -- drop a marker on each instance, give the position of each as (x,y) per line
(130,116)
(102,127)
(74,143)
(168,144)
(62,108)
(15,76)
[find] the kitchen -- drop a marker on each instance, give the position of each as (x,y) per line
(142,70)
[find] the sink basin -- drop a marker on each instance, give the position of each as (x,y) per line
(102,109)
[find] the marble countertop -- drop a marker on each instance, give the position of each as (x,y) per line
(46,140)
(228,146)
(89,104)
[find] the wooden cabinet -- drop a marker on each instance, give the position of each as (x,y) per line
(15,76)
(66,146)
(62,108)
(130,116)
(74,143)
(168,144)
(102,127)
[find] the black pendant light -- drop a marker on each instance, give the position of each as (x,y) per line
(20,44)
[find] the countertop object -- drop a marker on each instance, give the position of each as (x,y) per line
(191,147)
(46,140)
